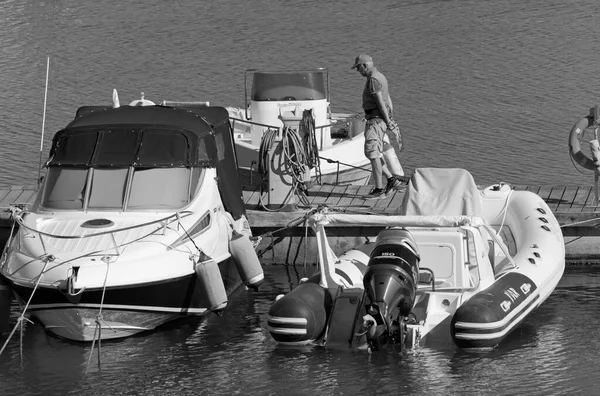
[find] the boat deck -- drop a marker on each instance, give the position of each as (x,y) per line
(575,207)
(284,237)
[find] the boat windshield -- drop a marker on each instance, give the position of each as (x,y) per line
(281,86)
(122,189)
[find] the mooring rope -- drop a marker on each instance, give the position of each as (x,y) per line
(47,259)
(99,319)
(311,147)
(295,162)
(266,143)
(332,161)
(295,156)
(292,223)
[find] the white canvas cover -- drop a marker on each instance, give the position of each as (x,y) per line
(441,191)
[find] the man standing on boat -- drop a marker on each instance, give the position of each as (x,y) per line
(377,104)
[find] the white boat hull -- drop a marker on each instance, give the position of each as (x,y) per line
(107,252)
(479,276)
(80,324)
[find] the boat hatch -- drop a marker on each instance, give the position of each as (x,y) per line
(451,255)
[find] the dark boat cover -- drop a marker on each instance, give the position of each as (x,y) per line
(152,137)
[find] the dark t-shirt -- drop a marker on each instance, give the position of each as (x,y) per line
(376,82)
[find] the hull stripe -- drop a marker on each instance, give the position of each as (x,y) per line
(527,304)
(107,327)
(499,334)
(284,320)
(116,307)
(281,330)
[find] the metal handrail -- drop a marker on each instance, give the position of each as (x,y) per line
(254,123)
(164,219)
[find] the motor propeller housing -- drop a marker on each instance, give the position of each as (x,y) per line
(392,276)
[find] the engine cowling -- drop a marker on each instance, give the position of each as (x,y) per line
(392,275)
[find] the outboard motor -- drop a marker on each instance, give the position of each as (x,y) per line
(391,278)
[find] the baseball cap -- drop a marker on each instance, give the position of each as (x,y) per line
(360,59)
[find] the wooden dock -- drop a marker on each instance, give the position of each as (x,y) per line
(573,206)
(283,232)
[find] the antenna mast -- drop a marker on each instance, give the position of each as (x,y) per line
(43,121)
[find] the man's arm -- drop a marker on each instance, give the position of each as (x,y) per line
(387,117)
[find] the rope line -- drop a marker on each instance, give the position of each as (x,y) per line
(295,163)
(311,147)
(99,319)
(47,259)
(332,161)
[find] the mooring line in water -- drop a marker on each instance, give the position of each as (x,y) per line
(292,223)
(98,328)
(47,259)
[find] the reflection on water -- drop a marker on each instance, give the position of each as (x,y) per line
(492,86)
(550,353)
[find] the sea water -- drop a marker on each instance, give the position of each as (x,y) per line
(490,86)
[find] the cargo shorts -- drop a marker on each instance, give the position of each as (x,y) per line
(375,137)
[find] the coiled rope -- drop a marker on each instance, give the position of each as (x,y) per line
(295,156)
(300,155)
(266,143)
(311,147)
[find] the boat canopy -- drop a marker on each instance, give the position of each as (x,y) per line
(444,192)
(135,136)
(150,137)
(296,85)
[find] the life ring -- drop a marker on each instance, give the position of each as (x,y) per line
(575,148)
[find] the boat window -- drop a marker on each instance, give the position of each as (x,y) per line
(289,86)
(108,188)
(197,176)
(64,188)
(159,188)
(153,188)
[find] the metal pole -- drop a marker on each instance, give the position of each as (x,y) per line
(595,187)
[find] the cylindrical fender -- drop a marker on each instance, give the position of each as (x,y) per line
(211,284)
(300,316)
(574,146)
(246,260)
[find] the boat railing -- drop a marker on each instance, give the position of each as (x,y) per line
(176,103)
(249,122)
(165,221)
